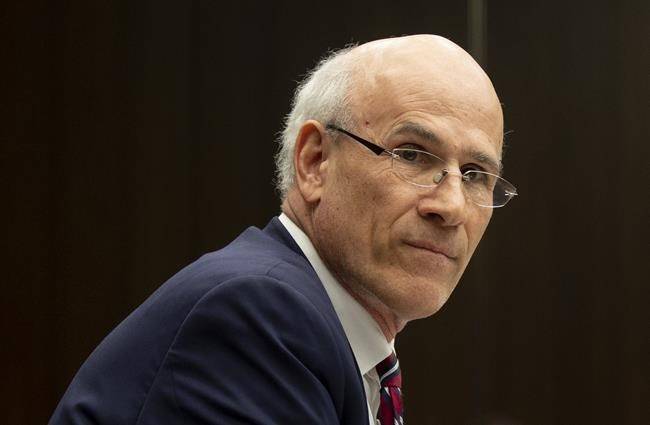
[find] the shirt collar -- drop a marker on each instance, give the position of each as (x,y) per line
(368,343)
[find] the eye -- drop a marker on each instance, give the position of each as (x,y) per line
(410,152)
(474,177)
(407,155)
(411,146)
(471,167)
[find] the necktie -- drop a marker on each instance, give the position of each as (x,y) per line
(391,408)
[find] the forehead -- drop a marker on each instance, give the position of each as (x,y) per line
(473,147)
(427,90)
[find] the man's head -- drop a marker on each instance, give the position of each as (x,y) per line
(399,249)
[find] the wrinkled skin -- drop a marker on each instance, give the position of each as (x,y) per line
(399,249)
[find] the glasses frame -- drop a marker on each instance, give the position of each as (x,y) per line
(378,150)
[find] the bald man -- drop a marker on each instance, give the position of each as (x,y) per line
(389,169)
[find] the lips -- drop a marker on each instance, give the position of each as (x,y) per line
(433,247)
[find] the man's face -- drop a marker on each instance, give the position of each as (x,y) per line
(393,244)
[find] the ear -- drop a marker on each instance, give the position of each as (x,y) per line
(310,160)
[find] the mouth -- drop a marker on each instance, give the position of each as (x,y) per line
(433,248)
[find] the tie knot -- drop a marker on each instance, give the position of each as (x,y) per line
(388,371)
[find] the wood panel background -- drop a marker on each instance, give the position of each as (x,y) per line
(137,135)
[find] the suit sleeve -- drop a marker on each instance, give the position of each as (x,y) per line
(253,351)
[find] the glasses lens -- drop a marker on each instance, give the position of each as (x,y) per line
(417,167)
(488,190)
(424,169)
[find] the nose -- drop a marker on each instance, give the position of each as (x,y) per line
(445,200)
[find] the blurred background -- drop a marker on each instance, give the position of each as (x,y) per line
(138,135)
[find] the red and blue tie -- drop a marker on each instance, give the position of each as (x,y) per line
(391,408)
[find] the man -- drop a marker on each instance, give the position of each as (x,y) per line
(388,172)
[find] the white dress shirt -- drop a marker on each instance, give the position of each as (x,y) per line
(368,342)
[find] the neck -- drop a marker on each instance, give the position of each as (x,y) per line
(389,323)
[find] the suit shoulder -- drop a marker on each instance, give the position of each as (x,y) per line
(256,332)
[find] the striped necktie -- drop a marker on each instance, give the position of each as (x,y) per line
(390,406)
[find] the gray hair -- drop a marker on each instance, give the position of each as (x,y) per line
(323,95)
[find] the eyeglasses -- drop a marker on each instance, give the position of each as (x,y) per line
(423,169)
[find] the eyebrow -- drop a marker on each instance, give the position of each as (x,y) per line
(411,128)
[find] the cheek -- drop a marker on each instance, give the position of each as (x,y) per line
(364,190)
(342,210)
(476,226)
(363,200)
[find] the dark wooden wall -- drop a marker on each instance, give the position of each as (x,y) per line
(137,135)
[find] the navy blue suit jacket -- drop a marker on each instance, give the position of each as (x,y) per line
(244,335)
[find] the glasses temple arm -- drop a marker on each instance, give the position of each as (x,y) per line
(377,150)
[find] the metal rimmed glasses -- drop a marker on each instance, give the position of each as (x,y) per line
(424,169)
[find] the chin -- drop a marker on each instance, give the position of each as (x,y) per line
(433,307)
(425,304)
